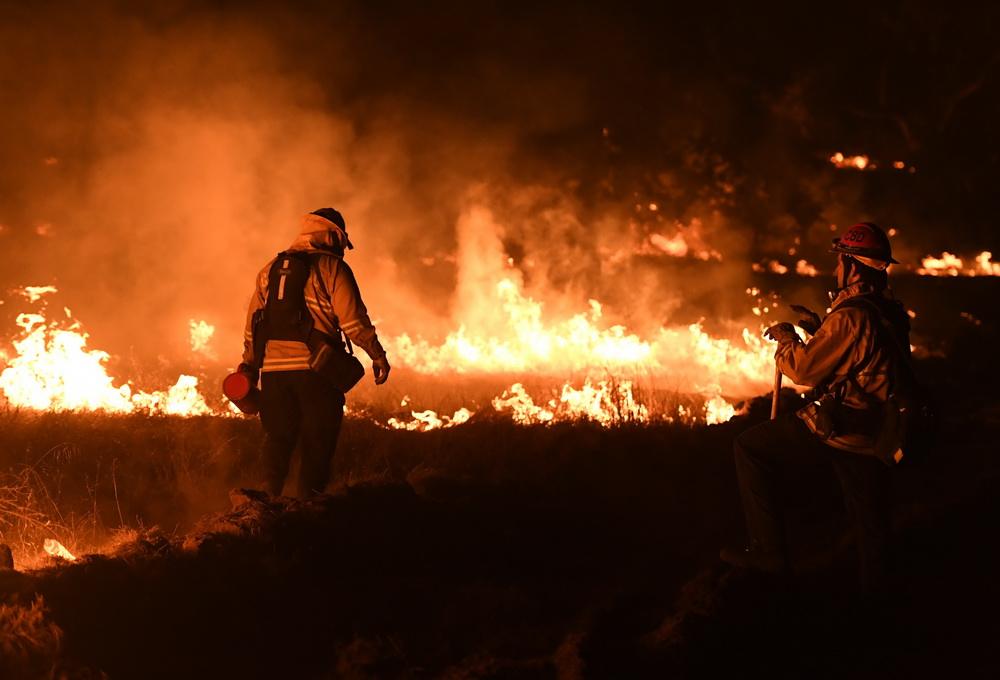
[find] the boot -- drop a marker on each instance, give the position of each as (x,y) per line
(756,559)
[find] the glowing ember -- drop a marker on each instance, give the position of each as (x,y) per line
(772,266)
(684,243)
(952,265)
(35,293)
(201,336)
(675,246)
(859,162)
(985,264)
(57,549)
(971,318)
(803,268)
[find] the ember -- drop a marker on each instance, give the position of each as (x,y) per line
(859,162)
(57,549)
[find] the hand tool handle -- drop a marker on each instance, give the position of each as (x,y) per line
(777,391)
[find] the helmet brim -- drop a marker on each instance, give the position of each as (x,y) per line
(862,252)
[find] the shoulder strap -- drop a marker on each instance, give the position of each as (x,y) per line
(900,362)
(314,259)
(883,322)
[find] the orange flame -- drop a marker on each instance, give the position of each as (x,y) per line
(859,162)
(803,268)
(602,402)
(55,371)
(57,549)
(422,421)
(498,329)
(201,333)
(501,329)
(952,265)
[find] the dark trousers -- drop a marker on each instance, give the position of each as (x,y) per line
(299,407)
(766,450)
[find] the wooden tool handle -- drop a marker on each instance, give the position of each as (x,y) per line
(776,393)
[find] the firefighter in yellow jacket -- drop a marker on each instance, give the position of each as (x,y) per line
(299,406)
(851,362)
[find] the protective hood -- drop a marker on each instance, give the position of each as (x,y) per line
(319,234)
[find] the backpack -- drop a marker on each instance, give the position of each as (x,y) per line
(908,427)
(285,316)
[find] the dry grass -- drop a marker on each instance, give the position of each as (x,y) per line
(29,641)
(80,478)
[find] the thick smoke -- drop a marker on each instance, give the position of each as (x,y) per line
(154,159)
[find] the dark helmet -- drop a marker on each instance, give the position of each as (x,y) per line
(333,215)
(866,242)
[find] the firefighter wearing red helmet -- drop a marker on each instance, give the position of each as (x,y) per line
(866,243)
(851,362)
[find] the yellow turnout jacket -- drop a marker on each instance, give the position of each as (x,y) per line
(850,353)
(332,297)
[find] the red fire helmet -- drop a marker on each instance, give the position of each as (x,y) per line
(866,241)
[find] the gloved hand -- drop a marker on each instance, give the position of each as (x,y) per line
(810,320)
(381,368)
(252,372)
(782,333)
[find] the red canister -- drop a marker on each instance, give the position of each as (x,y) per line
(239,389)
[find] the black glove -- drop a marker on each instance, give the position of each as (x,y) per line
(252,372)
(810,320)
(381,368)
(782,333)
